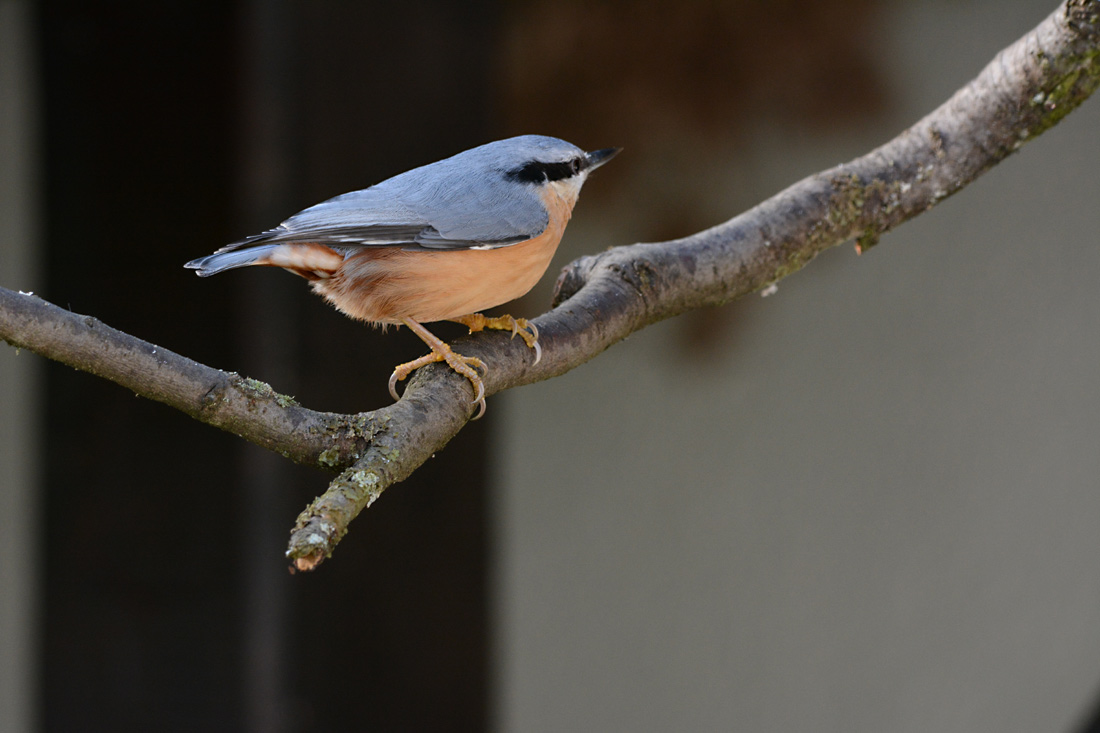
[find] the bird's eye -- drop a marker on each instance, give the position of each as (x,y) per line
(575,165)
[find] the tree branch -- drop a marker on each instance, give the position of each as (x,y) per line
(246,407)
(603,298)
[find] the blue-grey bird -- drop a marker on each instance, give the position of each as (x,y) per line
(438,243)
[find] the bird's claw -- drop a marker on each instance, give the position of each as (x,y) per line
(521,327)
(529,332)
(467,366)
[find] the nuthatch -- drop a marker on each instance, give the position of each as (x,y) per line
(437,243)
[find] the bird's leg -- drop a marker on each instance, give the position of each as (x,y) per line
(521,326)
(467,366)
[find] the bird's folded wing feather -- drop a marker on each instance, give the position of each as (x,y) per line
(391,215)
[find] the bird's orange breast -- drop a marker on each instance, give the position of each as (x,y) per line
(384,285)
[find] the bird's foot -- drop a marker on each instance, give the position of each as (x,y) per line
(521,327)
(467,366)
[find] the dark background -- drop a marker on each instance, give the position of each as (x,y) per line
(169,130)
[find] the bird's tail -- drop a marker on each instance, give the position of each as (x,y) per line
(219,261)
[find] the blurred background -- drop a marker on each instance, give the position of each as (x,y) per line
(867,502)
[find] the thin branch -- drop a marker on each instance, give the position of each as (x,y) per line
(603,298)
(245,407)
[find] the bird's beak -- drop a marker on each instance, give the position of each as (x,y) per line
(598,157)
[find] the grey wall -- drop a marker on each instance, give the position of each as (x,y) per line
(873,504)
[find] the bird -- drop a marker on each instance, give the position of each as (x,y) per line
(441,242)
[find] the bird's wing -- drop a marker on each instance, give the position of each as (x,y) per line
(490,211)
(396,214)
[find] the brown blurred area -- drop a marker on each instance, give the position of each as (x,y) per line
(702,69)
(683,87)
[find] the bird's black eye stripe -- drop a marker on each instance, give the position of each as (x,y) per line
(538,172)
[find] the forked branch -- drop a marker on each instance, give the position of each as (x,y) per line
(603,298)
